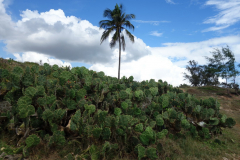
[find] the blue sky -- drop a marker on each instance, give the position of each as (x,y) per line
(168,33)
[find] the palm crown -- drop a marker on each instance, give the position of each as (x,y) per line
(116,23)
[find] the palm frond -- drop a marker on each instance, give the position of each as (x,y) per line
(114,40)
(129,25)
(108,13)
(106,23)
(123,42)
(129,35)
(106,34)
(129,17)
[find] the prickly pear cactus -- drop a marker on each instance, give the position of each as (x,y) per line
(139,127)
(140,150)
(117,111)
(32,140)
(106,133)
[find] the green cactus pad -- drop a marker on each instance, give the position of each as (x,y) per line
(154,91)
(30,91)
(97,132)
(159,120)
(151,153)
(120,131)
(106,133)
(32,140)
(117,111)
(139,127)
(140,150)
(162,134)
(124,105)
(24,100)
(230,122)
(185,124)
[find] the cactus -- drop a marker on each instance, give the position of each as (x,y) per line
(223,118)
(55,67)
(30,91)
(4,73)
(117,111)
(139,127)
(146,136)
(55,74)
(162,134)
(159,120)
(40,91)
(138,94)
(47,115)
(185,124)
(106,133)
(124,105)
(59,138)
(230,122)
(123,95)
(24,100)
(154,91)
(41,80)
(32,140)
(80,94)
(205,133)
(58,114)
(140,150)
(97,132)
(90,108)
(214,121)
(124,120)
(41,101)
(26,110)
(35,69)
(152,124)
(27,79)
(165,101)
(101,116)
(193,131)
(71,104)
(120,131)
(18,71)
(151,153)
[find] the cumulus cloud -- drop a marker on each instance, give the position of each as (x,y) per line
(169,62)
(156,33)
(63,37)
(229,14)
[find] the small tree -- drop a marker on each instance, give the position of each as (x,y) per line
(224,64)
(195,73)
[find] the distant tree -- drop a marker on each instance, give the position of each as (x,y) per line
(195,73)
(224,64)
(118,19)
(209,75)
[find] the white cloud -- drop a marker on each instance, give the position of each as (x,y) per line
(151,22)
(156,33)
(170,1)
(62,37)
(158,65)
(36,57)
(229,14)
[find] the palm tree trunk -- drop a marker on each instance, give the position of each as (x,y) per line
(119,55)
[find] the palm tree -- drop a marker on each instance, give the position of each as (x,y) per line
(116,23)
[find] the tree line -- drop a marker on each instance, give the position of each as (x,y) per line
(222,64)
